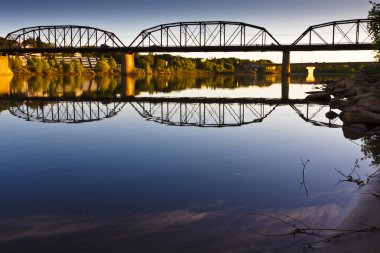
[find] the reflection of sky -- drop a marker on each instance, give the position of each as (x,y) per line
(296,91)
(179,223)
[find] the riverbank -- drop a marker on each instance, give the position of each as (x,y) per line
(361,214)
(358,99)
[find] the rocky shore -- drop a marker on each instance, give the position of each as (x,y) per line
(358,100)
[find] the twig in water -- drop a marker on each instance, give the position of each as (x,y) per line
(303,183)
(358,180)
(300,228)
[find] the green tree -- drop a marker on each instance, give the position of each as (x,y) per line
(35,65)
(102,66)
(374,25)
(67,68)
(77,66)
(160,65)
(46,69)
(112,63)
(15,64)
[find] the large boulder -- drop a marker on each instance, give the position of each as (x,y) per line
(354,131)
(357,98)
(337,103)
(371,104)
(355,114)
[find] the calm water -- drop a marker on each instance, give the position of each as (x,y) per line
(108,174)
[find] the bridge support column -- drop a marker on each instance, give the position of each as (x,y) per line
(128,64)
(4,66)
(310,74)
(128,86)
(285,63)
(285,81)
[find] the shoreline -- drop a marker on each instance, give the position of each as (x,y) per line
(363,211)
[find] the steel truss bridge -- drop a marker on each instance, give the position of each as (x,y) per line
(196,112)
(204,36)
(65,111)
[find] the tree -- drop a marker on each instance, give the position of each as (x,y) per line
(67,68)
(374,25)
(102,66)
(112,63)
(15,64)
(77,66)
(35,65)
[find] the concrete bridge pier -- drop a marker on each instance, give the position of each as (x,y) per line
(128,85)
(4,65)
(310,74)
(285,81)
(128,64)
(286,63)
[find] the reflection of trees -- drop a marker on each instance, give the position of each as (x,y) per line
(56,86)
(371,149)
(18,86)
(168,83)
(106,85)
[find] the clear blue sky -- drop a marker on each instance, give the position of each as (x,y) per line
(285,19)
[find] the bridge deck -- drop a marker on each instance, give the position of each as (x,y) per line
(153,49)
(269,101)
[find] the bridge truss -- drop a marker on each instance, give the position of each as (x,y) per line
(204,34)
(204,114)
(315,114)
(62,36)
(198,112)
(342,32)
(65,111)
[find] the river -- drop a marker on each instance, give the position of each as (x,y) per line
(170,164)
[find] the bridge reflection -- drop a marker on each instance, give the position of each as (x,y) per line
(196,112)
(65,111)
(204,114)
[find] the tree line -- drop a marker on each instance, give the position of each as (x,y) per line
(50,66)
(173,64)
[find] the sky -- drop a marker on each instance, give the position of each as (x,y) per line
(284,19)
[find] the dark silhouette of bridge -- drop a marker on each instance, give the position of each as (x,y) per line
(195,112)
(204,36)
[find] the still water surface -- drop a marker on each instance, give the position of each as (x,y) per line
(114,175)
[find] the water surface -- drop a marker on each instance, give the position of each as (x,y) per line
(89,171)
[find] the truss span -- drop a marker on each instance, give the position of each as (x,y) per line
(344,32)
(204,34)
(66,111)
(61,36)
(204,114)
(315,115)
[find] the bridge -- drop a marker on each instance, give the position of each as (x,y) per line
(203,36)
(191,112)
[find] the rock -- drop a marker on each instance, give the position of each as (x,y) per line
(337,103)
(361,90)
(371,104)
(354,131)
(355,99)
(361,83)
(355,114)
(338,91)
(331,115)
(320,97)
